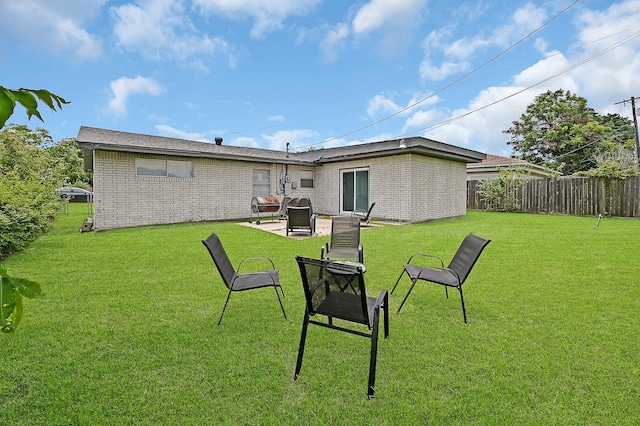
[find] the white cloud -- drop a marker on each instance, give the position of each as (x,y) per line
(431,72)
(334,41)
(421,119)
(602,80)
(278,141)
(267,15)
(381,105)
(444,58)
(613,76)
(172,132)
(56,27)
(276,118)
(394,21)
(378,13)
(124,87)
(553,64)
(161,30)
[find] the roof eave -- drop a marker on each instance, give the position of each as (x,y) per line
(90,146)
(418,150)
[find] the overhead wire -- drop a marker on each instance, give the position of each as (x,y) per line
(566,70)
(458,80)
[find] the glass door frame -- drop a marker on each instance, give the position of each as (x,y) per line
(360,195)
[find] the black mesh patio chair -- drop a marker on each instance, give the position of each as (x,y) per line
(237,281)
(345,240)
(301,219)
(453,275)
(364,214)
(336,290)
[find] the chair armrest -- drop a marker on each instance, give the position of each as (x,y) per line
(255,273)
(317,284)
(436,268)
(382,298)
(324,250)
(273,266)
(426,255)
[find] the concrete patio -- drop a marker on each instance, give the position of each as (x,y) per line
(278,227)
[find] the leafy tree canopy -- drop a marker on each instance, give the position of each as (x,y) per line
(560,131)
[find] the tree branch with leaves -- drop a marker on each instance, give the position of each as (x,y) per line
(28,98)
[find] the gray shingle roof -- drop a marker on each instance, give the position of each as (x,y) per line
(90,138)
(112,140)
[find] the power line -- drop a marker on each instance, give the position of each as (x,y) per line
(375,123)
(634,113)
(352,110)
(578,64)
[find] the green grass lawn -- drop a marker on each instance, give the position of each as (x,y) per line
(126,331)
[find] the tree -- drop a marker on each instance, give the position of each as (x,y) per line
(68,162)
(500,194)
(28,98)
(560,131)
(621,131)
(614,164)
(13,289)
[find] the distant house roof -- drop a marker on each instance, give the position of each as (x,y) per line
(492,163)
(496,160)
(90,138)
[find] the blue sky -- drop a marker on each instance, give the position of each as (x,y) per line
(316,73)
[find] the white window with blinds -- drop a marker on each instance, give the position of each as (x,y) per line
(306,178)
(261,183)
(164,168)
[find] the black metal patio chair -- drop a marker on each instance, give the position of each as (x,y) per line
(336,290)
(364,215)
(345,240)
(237,281)
(301,219)
(454,275)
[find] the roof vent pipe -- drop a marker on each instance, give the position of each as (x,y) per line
(218,140)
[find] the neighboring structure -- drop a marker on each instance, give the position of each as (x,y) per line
(147,180)
(491,166)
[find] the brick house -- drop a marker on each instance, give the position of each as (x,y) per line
(147,180)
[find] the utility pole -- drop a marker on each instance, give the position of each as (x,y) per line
(635,125)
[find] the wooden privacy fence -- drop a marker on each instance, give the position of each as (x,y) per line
(571,195)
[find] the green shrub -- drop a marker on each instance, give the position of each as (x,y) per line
(28,201)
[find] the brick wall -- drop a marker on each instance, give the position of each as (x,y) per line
(220,190)
(408,188)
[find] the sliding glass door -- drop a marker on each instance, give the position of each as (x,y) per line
(354,190)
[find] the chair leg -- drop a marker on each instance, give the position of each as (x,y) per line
(303,338)
(413,283)
(386,315)
(279,300)
(464,313)
(374,354)
(225,307)
(399,278)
